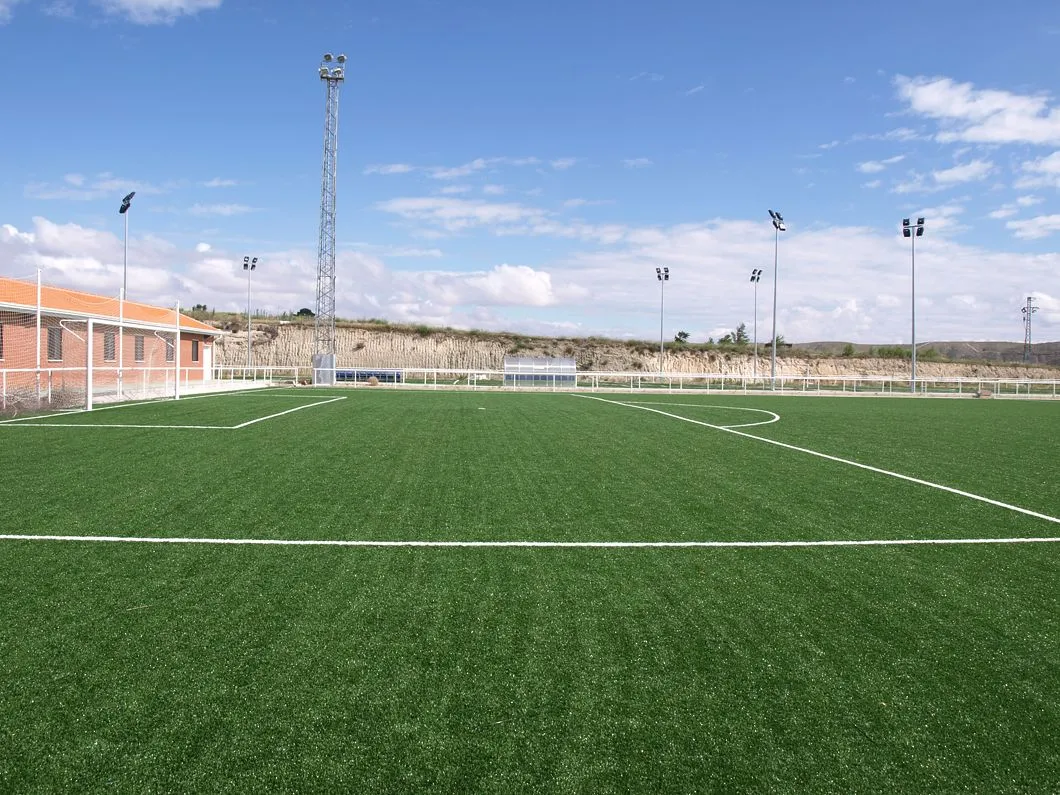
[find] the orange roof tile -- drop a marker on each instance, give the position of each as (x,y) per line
(60,299)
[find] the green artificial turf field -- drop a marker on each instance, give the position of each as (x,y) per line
(258,667)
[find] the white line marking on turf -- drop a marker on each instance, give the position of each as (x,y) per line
(281,413)
(899,475)
(292,542)
(115,425)
(773,414)
(160,400)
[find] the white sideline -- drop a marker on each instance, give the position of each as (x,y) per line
(899,475)
(292,542)
(165,427)
(126,406)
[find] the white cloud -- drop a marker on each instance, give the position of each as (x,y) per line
(829,145)
(563,163)
(389,168)
(1041,173)
(872,184)
(455,215)
(450,190)
(1004,211)
(153,12)
(637,162)
(480,164)
(965,113)
(1037,227)
(1028,201)
(870,304)
(202,248)
(849,80)
(225,210)
(493,190)
(217,182)
(60,9)
(966,172)
(695,90)
(5,10)
(943,218)
(76,187)
(876,166)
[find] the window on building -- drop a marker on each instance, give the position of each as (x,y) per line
(109,353)
(138,347)
(169,349)
(195,350)
(55,344)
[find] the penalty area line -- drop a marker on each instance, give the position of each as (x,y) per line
(908,478)
(293,542)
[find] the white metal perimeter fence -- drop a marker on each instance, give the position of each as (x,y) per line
(437,378)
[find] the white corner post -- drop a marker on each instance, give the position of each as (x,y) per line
(176,357)
(38,336)
(88,364)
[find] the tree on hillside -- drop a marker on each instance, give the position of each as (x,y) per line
(305,312)
(681,337)
(741,334)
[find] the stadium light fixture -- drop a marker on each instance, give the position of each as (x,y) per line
(663,275)
(126,203)
(249,265)
(756,276)
(778,227)
(913,231)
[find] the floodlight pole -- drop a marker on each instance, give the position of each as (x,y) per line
(756,274)
(249,265)
(913,231)
(778,227)
(125,259)
(663,275)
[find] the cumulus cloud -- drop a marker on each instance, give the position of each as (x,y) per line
(967,113)
(1037,227)
(966,172)
(1041,173)
(855,288)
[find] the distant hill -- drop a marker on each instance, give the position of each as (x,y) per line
(1009,352)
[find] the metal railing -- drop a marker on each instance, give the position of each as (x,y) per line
(481,379)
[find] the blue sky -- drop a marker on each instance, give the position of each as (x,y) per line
(526,166)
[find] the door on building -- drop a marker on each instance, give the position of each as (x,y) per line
(207,362)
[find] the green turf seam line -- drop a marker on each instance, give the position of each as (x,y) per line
(997,503)
(297,542)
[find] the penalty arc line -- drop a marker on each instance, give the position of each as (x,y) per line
(293,542)
(909,478)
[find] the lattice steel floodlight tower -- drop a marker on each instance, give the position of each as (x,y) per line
(778,227)
(324,331)
(913,231)
(1028,312)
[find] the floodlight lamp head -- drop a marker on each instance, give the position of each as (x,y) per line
(772,214)
(126,203)
(327,57)
(919,221)
(323,73)
(920,231)
(341,59)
